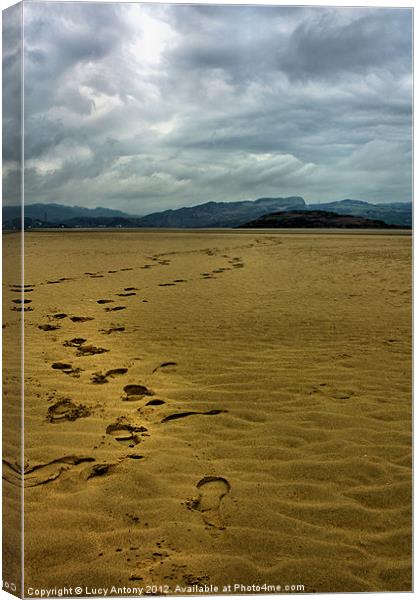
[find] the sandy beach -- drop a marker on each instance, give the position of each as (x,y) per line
(215,408)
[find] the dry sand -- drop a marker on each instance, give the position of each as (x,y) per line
(266,435)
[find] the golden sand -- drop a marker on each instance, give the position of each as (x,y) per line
(232,408)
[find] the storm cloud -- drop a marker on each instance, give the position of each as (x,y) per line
(148,107)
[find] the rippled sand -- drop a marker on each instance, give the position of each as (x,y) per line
(216,408)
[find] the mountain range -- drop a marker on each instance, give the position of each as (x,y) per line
(59,213)
(209,214)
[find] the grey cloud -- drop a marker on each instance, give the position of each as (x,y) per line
(323,48)
(146,107)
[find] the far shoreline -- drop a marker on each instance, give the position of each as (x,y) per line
(220,230)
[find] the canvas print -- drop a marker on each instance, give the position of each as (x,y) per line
(207,215)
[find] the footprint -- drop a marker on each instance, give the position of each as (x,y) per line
(118,371)
(332,392)
(75,342)
(165,364)
(44,473)
(115,308)
(20,301)
(155,402)
(103,377)
(90,350)
(136,392)
(104,301)
(211,492)
(80,319)
(49,327)
(166,284)
(124,433)
(67,369)
(98,378)
(130,289)
(59,316)
(124,294)
(66,410)
(98,471)
(189,413)
(61,366)
(60,280)
(111,330)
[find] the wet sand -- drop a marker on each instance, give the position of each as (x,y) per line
(216,408)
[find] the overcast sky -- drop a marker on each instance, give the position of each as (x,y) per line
(148,107)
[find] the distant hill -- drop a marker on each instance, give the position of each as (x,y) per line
(393,213)
(220,214)
(319,219)
(58,213)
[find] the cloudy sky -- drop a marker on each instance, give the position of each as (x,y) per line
(148,107)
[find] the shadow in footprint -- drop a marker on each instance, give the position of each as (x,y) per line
(67,369)
(104,301)
(80,319)
(98,470)
(115,372)
(90,350)
(75,342)
(135,392)
(211,492)
(113,308)
(155,402)
(100,378)
(182,415)
(48,327)
(125,434)
(165,364)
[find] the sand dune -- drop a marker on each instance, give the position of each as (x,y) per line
(217,408)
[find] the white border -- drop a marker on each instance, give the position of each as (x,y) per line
(360,3)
